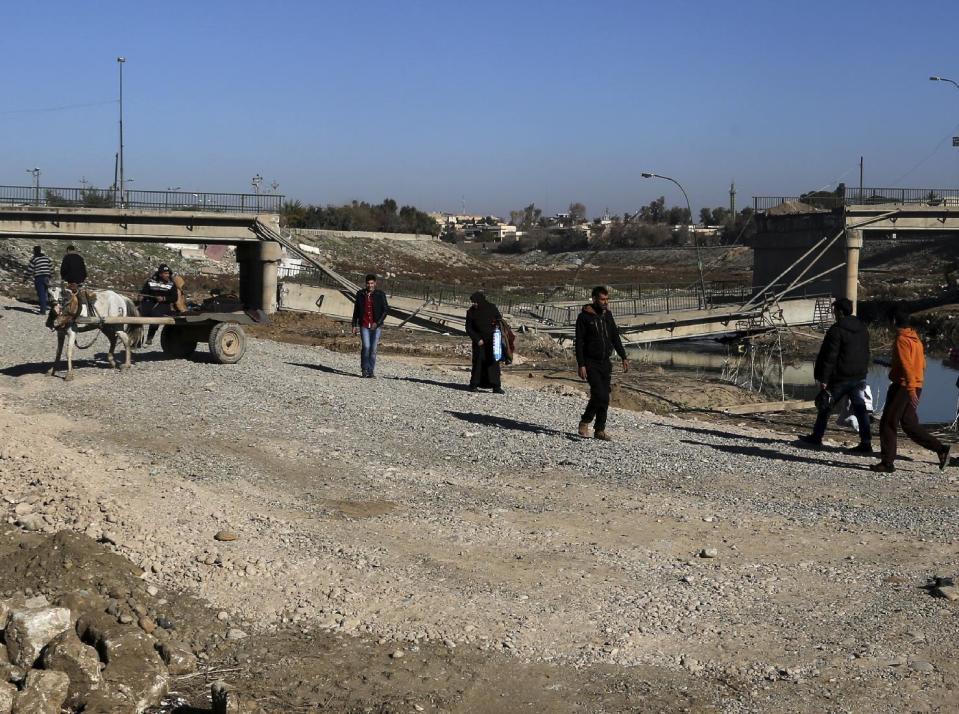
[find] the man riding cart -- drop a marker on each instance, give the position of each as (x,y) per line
(160,297)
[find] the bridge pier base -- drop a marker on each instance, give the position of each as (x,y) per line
(853,249)
(258,274)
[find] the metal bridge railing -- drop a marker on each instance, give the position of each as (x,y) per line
(536,302)
(865,197)
(49,196)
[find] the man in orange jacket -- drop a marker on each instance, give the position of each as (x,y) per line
(902,400)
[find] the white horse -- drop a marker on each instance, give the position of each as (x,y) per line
(106,303)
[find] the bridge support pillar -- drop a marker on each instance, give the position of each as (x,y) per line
(258,271)
(853,249)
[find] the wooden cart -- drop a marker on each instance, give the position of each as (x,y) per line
(222,331)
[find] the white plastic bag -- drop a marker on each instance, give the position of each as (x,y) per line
(845,415)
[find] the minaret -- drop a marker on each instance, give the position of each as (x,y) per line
(732,199)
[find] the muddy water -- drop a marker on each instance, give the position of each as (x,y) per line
(939,397)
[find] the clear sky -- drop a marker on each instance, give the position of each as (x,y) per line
(502,103)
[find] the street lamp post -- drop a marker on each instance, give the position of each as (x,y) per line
(255,183)
(944,79)
(122,185)
(689,210)
(35,171)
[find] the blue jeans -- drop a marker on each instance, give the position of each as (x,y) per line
(370,337)
(40,283)
(854,390)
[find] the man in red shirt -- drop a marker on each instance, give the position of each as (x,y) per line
(369,314)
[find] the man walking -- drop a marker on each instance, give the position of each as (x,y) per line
(841,368)
(596,338)
(40,269)
(902,400)
(369,314)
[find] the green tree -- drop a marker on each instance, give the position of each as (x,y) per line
(293,214)
(655,212)
(577,213)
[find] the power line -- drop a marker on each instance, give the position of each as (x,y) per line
(931,154)
(57,109)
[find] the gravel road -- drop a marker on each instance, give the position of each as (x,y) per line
(409,509)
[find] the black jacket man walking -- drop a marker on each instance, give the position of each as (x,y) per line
(596,338)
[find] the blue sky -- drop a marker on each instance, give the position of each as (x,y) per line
(500,103)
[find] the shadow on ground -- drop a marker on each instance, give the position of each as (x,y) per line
(324,368)
(505,423)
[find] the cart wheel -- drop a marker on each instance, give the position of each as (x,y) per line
(227,342)
(175,343)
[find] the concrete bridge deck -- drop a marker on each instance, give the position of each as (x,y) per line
(132,224)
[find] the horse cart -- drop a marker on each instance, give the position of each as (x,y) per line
(180,334)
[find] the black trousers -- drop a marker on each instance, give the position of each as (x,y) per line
(485,369)
(599,374)
(899,410)
(149,308)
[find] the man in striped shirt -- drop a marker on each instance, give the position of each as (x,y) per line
(40,269)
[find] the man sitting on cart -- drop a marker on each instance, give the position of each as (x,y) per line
(158,297)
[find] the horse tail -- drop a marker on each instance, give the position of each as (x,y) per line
(134,332)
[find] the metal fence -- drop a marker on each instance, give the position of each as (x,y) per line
(865,197)
(49,196)
(540,302)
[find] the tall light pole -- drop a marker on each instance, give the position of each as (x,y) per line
(122,185)
(689,210)
(944,79)
(255,183)
(35,171)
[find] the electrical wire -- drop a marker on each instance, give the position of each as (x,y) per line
(11,112)
(942,141)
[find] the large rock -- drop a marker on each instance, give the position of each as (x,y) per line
(17,602)
(135,675)
(45,693)
(225,699)
(29,631)
(12,673)
(78,661)
(80,602)
(8,693)
(178,659)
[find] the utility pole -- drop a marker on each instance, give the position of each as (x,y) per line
(121,185)
(36,184)
(732,201)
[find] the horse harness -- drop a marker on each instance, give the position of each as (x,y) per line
(74,310)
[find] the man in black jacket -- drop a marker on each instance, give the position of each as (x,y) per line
(73,271)
(158,296)
(841,369)
(596,338)
(369,314)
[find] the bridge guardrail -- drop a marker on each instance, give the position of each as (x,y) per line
(865,197)
(65,197)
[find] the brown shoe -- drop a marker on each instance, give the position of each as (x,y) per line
(583,430)
(602,435)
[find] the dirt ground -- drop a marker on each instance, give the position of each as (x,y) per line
(543,364)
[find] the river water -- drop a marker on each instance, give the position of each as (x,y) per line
(939,395)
